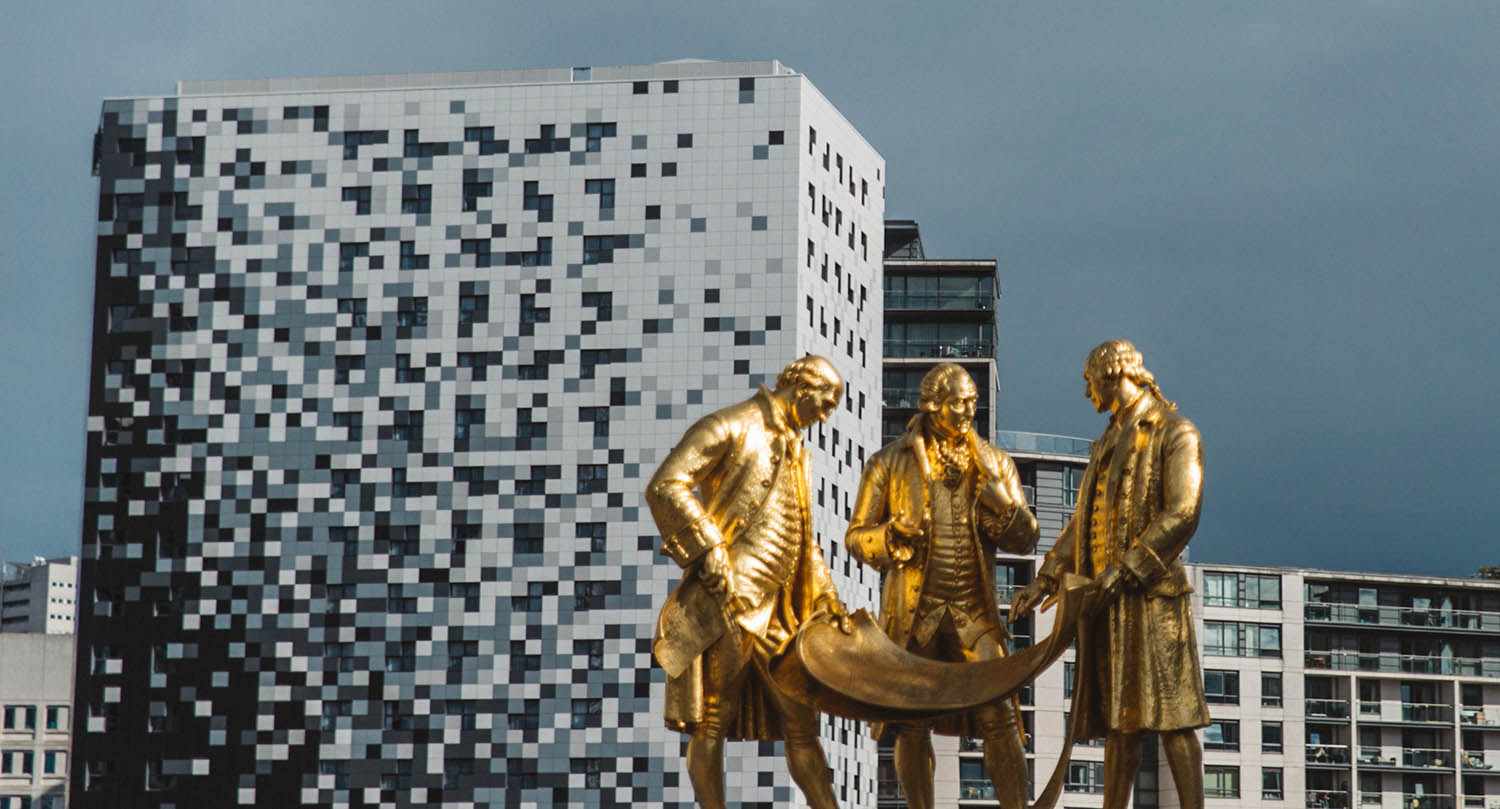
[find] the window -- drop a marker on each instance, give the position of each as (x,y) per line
(606,191)
(400,779)
(459,651)
(410,259)
(1221,687)
(1085,776)
(1256,591)
(416,198)
(532,601)
(1270,737)
(411,312)
(476,185)
(588,595)
(1221,782)
(454,769)
(532,199)
(57,717)
(669,86)
(1072,479)
(55,762)
(349,251)
(587,713)
(1222,734)
(1239,639)
(360,196)
(157,777)
(594,135)
(401,656)
(340,480)
(473,309)
(1070,671)
(337,770)
(20,717)
(1270,689)
(17,762)
(405,372)
(669,169)
(593,478)
(1270,783)
(463,422)
(356,309)
(685,140)
(408,426)
(479,249)
(593,650)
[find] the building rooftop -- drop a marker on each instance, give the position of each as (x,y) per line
(677,69)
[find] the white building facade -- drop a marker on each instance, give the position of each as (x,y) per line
(39,596)
(36,692)
(381,367)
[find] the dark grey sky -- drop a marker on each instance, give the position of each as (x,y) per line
(1292,208)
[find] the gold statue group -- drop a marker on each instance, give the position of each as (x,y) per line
(736,637)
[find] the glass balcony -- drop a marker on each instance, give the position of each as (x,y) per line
(1474,760)
(1479,716)
(1329,754)
(940,348)
(1327,799)
(1005,592)
(1348,660)
(1329,708)
(1427,757)
(1426,712)
(939,300)
(976,790)
(1428,801)
(1403,616)
(1013,441)
(1371,798)
(900,397)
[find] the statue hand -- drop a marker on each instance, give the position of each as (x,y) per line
(1111,582)
(901,536)
(832,605)
(716,573)
(1028,597)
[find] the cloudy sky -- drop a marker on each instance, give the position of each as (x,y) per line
(1292,208)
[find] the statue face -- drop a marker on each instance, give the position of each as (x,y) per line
(955,416)
(815,403)
(1103,391)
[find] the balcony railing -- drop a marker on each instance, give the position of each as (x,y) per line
(1427,757)
(1327,754)
(1329,708)
(1426,712)
(1327,799)
(1474,760)
(1345,660)
(932,300)
(939,348)
(976,790)
(911,397)
(1403,616)
(1479,716)
(1013,441)
(1005,592)
(1427,801)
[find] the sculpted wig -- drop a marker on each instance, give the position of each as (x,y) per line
(1118,358)
(810,371)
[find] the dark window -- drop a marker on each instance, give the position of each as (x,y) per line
(356,309)
(606,191)
(588,595)
(479,249)
(349,251)
(1221,687)
(640,88)
(410,259)
(416,199)
(343,365)
(408,426)
(532,199)
(360,196)
(669,169)
(685,140)
(587,713)
(638,169)
(595,135)
(593,478)
(473,309)
(411,312)
(669,86)
(405,372)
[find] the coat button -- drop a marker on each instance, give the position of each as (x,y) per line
(766,483)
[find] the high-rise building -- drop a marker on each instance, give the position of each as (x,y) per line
(36,690)
(380,367)
(38,596)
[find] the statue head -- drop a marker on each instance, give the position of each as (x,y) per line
(812,388)
(1115,374)
(948,400)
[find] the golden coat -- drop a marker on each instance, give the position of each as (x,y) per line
(895,480)
(732,458)
(1144,673)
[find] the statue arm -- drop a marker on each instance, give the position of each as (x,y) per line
(868,537)
(1005,519)
(688,531)
(1165,537)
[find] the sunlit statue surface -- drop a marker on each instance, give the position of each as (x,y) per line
(932,506)
(1138,506)
(731,502)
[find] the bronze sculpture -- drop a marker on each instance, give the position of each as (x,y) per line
(731,502)
(931,506)
(1138,506)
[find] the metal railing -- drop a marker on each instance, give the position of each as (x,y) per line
(1327,799)
(1426,712)
(1346,660)
(1013,441)
(1478,716)
(938,300)
(1327,708)
(895,347)
(1402,616)
(975,790)
(1327,754)
(1428,801)
(1474,760)
(1427,757)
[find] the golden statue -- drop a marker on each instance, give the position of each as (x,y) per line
(731,502)
(1137,508)
(932,506)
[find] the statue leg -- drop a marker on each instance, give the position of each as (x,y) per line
(805,758)
(1122,756)
(1004,755)
(914,764)
(1185,757)
(723,674)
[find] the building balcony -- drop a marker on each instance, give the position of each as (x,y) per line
(1042,443)
(1426,712)
(1475,760)
(976,790)
(1427,758)
(1327,799)
(940,349)
(1466,620)
(1426,801)
(1330,755)
(939,301)
(1479,717)
(1343,660)
(1326,708)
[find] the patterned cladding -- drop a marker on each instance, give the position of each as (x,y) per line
(377,379)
